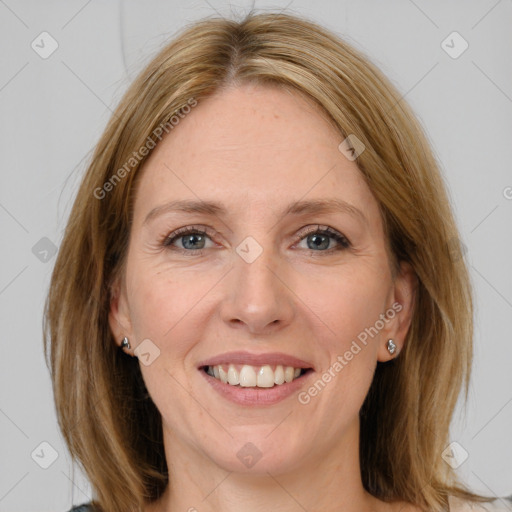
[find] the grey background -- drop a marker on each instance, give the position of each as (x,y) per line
(53,111)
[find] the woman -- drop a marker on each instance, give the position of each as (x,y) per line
(258,303)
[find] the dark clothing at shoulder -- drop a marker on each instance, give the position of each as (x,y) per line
(85,507)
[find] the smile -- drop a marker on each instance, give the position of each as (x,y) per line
(254,385)
(265,376)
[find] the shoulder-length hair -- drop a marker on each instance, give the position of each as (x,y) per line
(110,424)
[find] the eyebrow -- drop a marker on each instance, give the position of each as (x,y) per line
(316,206)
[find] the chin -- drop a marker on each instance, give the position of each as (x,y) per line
(258,453)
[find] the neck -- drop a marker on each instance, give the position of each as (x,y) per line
(327,480)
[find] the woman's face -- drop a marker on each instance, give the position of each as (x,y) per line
(251,168)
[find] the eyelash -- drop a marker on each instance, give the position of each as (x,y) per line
(167,240)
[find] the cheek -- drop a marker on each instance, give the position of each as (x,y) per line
(161,306)
(349,305)
(165,311)
(346,303)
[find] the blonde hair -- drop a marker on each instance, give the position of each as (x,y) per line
(110,424)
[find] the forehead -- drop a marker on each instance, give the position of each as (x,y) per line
(251,146)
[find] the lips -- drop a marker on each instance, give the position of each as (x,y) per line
(249,393)
(270,358)
(255,396)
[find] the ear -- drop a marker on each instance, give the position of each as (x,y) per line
(119,317)
(399,312)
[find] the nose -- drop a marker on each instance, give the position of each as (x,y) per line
(257,295)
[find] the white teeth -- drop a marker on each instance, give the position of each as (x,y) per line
(233,378)
(223,375)
(247,377)
(265,377)
(250,376)
(279,375)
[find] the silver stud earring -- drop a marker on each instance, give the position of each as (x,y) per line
(391,346)
(125,343)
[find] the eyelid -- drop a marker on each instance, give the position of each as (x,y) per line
(324,229)
(343,242)
(178,233)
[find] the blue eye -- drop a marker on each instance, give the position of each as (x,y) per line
(320,238)
(193,240)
